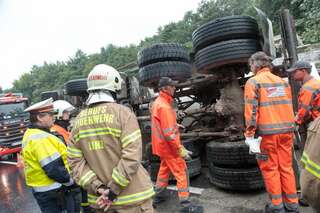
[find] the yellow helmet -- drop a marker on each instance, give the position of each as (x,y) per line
(104,77)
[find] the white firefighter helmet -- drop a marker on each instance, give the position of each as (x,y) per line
(61,106)
(104,77)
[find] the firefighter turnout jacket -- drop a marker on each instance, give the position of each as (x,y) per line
(45,159)
(268,105)
(165,133)
(106,150)
(309,101)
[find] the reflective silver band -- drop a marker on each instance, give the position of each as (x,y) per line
(55,185)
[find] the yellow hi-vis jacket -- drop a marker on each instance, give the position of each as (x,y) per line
(106,149)
(45,159)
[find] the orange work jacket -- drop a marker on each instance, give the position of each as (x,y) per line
(268,105)
(309,101)
(61,131)
(165,132)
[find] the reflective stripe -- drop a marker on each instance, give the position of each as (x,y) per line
(73,152)
(304,106)
(253,121)
(55,185)
(131,138)
(86,178)
(276,196)
(268,85)
(170,137)
(49,159)
(276,131)
(126,199)
(162,180)
(309,88)
(276,126)
(158,132)
(310,166)
(134,197)
(270,103)
(290,196)
(36,136)
(167,130)
(251,101)
(119,178)
(85,204)
(92,198)
(97,131)
(292,206)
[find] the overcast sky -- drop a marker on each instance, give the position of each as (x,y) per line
(34,31)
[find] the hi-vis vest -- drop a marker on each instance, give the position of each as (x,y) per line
(106,149)
(268,105)
(39,149)
(309,101)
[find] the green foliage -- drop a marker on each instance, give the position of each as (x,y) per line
(52,76)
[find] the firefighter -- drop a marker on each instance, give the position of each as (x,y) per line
(105,149)
(45,159)
(61,124)
(76,196)
(166,144)
(269,115)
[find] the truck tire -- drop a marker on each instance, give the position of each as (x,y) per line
(230,154)
(236,179)
(149,75)
(76,87)
(162,52)
(236,51)
(191,146)
(223,29)
(49,94)
(194,167)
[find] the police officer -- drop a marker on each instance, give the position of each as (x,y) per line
(105,149)
(44,155)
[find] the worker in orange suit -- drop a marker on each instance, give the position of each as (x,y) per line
(269,115)
(309,95)
(166,144)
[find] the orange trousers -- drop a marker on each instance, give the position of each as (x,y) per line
(178,167)
(277,169)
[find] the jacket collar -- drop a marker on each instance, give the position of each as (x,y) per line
(166,96)
(306,79)
(263,70)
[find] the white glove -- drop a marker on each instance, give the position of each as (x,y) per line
(254,144)
(185,154)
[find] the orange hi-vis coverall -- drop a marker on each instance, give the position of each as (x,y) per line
(61,131)
(166,144)
(269,114)
(309,101)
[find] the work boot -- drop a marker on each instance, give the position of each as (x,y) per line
(161,196)
(302,201)
(271,209)
(291,207)
(188,207)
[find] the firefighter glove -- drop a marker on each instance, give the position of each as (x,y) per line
(185,154)
(254,144)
